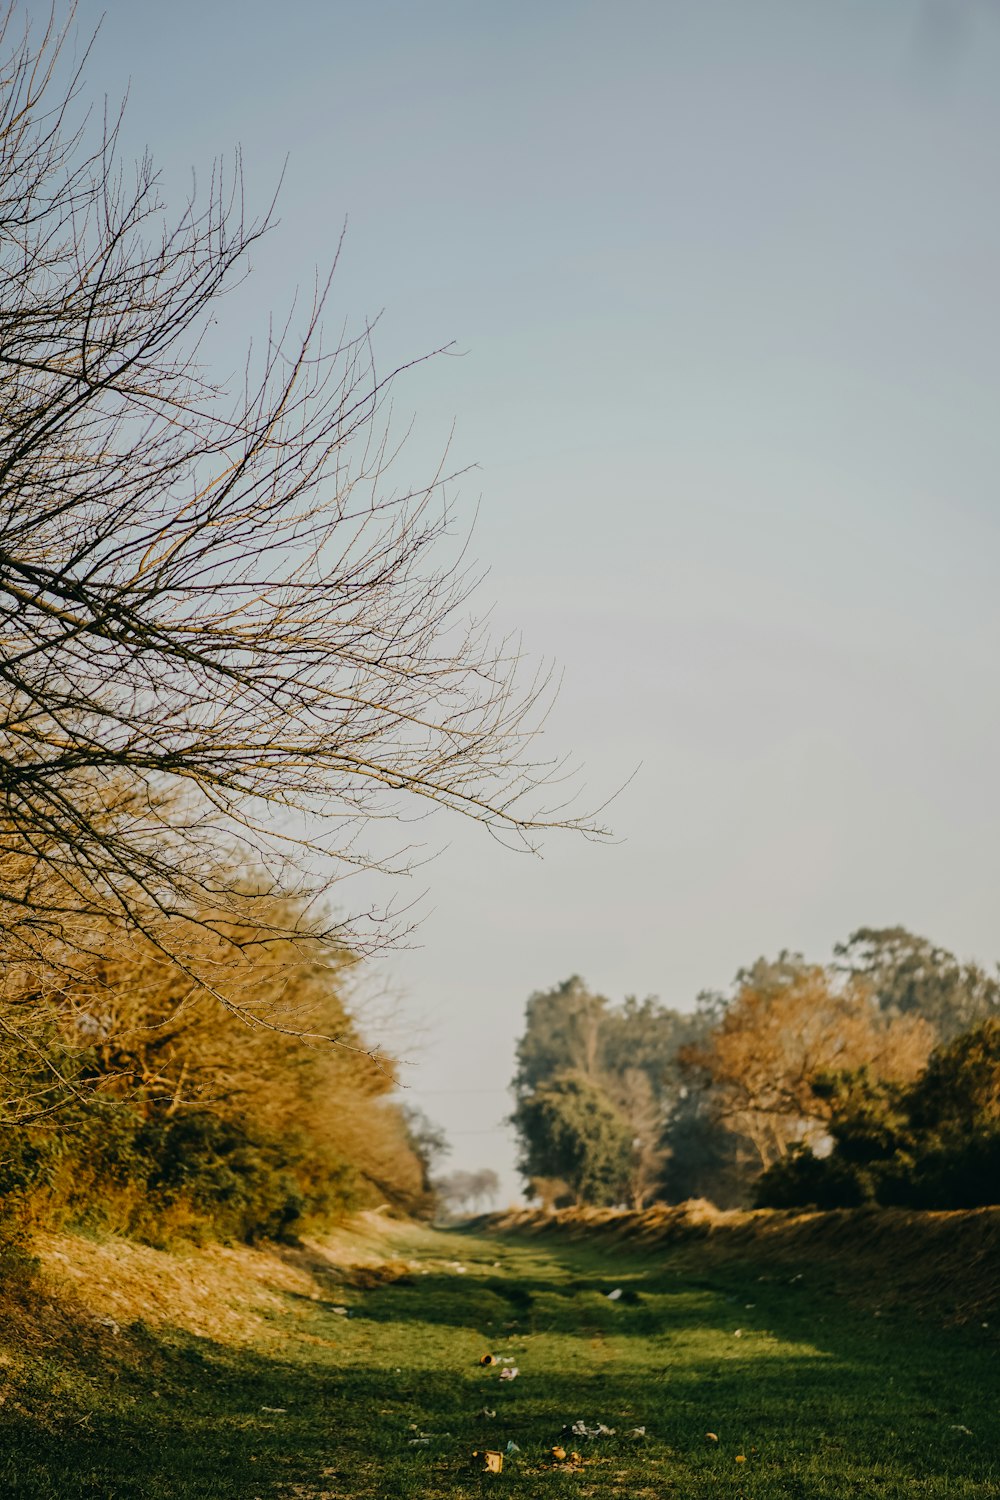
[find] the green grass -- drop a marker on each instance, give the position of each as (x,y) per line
(821,1398)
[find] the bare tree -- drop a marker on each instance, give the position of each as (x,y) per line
(642,1111)
(223,625)
(464,1192)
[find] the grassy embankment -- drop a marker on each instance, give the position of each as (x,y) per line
(131,1372)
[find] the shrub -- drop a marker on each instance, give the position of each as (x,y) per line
(107,1166)
(802,1180)
(933,1145)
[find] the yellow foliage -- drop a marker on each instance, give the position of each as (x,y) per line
(779,1036)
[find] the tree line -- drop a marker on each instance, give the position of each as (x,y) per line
(873,1077)
(146,1108)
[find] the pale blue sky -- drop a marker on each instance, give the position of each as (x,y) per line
(724,275)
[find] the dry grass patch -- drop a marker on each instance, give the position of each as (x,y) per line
(235,1295)
(943,1265)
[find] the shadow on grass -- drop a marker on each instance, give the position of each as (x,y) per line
(819,1402)
(348,1432)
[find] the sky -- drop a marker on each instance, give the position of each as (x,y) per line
(720,284)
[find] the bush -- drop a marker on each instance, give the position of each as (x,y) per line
(208,1177)
(960,1174)
(933,1145)
(159,1112)
(802,1180)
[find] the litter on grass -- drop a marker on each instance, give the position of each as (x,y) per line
(488,1359)
(511,1447)
(274,1409)
(509,1372)
(713,1437)
(580,1429)
(490,1460)
(486,1412)
(613,1296)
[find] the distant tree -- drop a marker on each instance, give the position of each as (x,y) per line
(562,1033)
(640,1047)
(454,1191)
(787,1025)
(767,975)
(485,1186)
(570,1028)
(934,1143)
(911,976)
(648,1035)
(636,1101)
(959,1091)
(629,1051)
(461,1192)
(570,1130)
(703,1158)
(426,1140)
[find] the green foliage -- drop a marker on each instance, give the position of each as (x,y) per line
(562,1029)
(106,1165)
(869,1116)
(801,1179)
(957,1174)
(768,976)
(570,1130)
(628,1052)
(247,1185)
(704,1158)
(570,1029)
(960,1090)
(647,1035)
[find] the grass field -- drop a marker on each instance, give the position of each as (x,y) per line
(810,1392)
